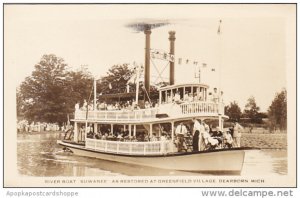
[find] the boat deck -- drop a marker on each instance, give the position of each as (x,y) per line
(169,111)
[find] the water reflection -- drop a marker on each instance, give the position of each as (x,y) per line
(265,162)
(39,155)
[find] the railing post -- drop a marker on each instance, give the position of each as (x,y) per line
(145,145)
(117,147)
(130,148)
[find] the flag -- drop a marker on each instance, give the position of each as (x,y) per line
(213,69)
(165,55)
(109,86)
(219,28)
(179,61)
(172,58)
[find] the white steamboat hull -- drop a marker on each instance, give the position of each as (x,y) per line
(217,161)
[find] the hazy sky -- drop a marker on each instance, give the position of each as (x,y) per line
(250,56)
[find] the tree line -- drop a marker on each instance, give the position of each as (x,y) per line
(50,93)
(276,114)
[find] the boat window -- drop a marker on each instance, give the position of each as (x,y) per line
(163,97)
(169,96)
(181,92)
(188,90)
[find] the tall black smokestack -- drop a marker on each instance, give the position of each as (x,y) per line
(147,32)
(172,52)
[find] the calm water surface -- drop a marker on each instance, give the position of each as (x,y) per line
(39,155)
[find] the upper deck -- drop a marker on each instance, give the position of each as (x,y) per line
(172,111)
(175,102)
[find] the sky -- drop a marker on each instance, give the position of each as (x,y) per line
(250,56)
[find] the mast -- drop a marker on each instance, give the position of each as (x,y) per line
(95,92)
(172,52)
(147,32)
(220,62)
(137,82)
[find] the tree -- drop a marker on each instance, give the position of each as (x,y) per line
(43,92)
(251,111)
(116,79)
(233,111)
(50,93)
(277,111)
(80,87)
(20,104)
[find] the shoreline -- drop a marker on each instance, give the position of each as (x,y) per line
(264,140)
(38,133)
(256,140)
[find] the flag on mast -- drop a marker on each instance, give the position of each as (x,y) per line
(219,28)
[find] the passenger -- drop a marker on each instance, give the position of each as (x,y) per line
(136,106)
(206,127)
(180,132)
(163,137)
(196,141)
(77,106)
(85,105)
(153,137)
(120,136)
(228,140)
(177,97)
(210,142)
(200,96)
(237,134)
(195,98)
(186,96)
(105,136)
(221,97)
(215,96)
(98,136)
(147,105)
(200,128)
(90,135)
(191,98)
(163,140)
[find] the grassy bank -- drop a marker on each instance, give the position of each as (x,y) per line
(265,140)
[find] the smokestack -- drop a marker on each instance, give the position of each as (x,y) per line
(172,52)
(147,32)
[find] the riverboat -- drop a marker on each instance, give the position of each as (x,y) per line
(145,127)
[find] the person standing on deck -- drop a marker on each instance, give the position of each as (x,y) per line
(180,132)
(215,96)
(198,130)
(237,134)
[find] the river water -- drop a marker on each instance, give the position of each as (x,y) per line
(39,155)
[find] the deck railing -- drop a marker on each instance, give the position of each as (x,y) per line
(118,115)
(199,108)
(130,148)
(202,107)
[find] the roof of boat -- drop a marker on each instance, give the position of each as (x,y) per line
(183,85)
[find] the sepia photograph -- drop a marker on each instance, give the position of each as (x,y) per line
(149,95)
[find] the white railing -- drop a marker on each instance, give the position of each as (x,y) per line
(202,107)
(130,148)
(118,115)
